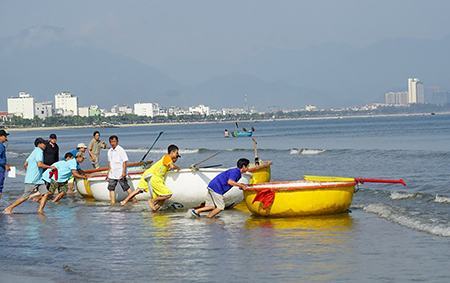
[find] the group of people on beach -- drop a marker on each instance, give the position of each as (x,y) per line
(49,177)
(46,175)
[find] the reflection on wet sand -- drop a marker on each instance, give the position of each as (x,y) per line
(331,223)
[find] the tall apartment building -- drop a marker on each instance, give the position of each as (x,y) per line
(416,93)
(43,109)
(66,104)
(21,105)
(396,98)
(146,109)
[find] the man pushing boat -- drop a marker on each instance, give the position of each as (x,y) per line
(34,166)
(221,184)
(158,172)
(57,180)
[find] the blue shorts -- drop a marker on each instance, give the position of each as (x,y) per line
(2,179)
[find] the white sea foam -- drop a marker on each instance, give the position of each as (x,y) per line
(12,154)
(399,195)
(390,214)
(442,199)
(306,151)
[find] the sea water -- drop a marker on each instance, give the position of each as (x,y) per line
(392,234)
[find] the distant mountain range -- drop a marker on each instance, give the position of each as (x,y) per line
(43,61)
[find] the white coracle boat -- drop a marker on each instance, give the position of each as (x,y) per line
(189,187)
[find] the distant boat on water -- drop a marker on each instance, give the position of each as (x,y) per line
(239,133)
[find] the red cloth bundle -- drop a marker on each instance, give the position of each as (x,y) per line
(54,173)
(266,197)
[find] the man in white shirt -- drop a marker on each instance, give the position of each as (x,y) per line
(117,173)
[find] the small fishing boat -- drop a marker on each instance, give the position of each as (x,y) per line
(189,187)
(315,195)
(238,134)
(299,198)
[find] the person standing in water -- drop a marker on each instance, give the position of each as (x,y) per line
(4,167)
(117,173)
(33,177)
(94,149)
(51,151)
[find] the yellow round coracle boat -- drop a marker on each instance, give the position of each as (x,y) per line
(299,198)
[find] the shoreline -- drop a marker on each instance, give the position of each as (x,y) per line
(226,122)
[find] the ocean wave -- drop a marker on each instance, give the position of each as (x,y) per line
(13,154)
(442,199)
(399,195)
(390,214)
(20,172)
(306,151)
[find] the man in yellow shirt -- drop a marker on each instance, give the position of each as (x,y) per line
(157,173)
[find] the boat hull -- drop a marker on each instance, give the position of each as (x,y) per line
(189,188)
(302,198)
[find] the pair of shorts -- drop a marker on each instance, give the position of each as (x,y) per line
(2,180)
(214,199)
(34,188)
(112,183)
(55,186)
(159,188)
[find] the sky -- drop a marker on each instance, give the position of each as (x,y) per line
(193,41)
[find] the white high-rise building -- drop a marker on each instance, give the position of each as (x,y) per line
(199,110)
(310,108)
(396,98)
(122,109)
(43,109)
(22,105)
(146,109)
(66,104)
(416,93)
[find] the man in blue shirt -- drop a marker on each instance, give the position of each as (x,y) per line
(4,167)
(33,177)
(56,179)
(221,184)
(81,148)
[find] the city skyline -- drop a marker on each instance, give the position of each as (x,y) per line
(66,104)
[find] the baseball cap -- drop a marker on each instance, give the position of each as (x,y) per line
(3,133)
(52,136)
(81,145)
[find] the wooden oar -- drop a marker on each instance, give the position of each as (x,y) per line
(195,165)
(148,151)
(210,166)
(382,181)
(255,150)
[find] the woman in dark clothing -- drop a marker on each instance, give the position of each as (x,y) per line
(51,152)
